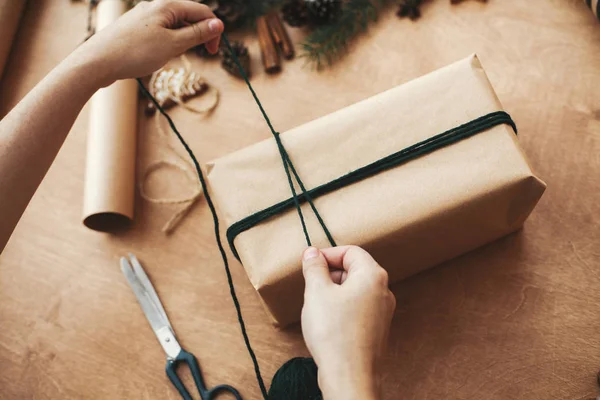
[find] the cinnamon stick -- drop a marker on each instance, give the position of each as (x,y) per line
(281,36)
(270,55)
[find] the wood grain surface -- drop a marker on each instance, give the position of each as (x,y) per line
(518,319)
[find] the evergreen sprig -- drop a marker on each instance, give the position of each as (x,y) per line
(328,43)
(252,9)
(257,8)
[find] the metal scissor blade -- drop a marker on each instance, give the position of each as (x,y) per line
(143,278)
(156,318)
(153,314)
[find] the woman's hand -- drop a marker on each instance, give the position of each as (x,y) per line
(147,37)
(137,44)
(346,318)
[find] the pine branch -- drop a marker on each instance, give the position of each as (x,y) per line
(257,8)
(328,43)
(252,8)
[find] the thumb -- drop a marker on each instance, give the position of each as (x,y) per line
(315,268)
(207,31)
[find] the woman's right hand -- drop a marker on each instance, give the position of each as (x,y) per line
(346,318)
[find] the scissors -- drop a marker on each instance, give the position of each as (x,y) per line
(157,317)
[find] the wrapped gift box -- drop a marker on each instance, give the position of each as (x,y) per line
(410,217)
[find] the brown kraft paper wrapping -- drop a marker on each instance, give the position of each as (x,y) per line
(110,170)
(411,217)
(10,15)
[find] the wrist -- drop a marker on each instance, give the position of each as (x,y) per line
(348,381)
(90,69)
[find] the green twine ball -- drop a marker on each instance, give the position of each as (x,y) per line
(296,380)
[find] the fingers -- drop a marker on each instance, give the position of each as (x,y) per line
(338,276)
(357,266)
(349,258)
(338,264)
(213,45)
(196,23)
(315,268)
(188,11)
(207,31)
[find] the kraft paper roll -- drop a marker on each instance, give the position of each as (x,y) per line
(10,15)
(110,171)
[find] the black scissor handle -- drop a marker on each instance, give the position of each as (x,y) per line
(192,363)
(214,392)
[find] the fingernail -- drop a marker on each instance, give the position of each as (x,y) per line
(214,25)
(310,253)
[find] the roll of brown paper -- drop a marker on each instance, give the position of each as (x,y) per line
(110,171)
(10,15)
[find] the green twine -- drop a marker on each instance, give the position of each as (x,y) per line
(213,212)
(288,166)
(285,158)
(297,379)
(454,135)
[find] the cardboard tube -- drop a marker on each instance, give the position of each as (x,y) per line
(10,15)
(110,170)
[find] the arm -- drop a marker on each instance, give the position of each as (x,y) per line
(346,319)
(33,132)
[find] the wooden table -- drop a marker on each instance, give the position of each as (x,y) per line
(517,319)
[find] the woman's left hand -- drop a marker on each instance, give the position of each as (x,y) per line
(147,37)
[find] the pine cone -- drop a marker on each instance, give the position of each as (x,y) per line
(324,11)
(232,13)
(242,54)
(295,13)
